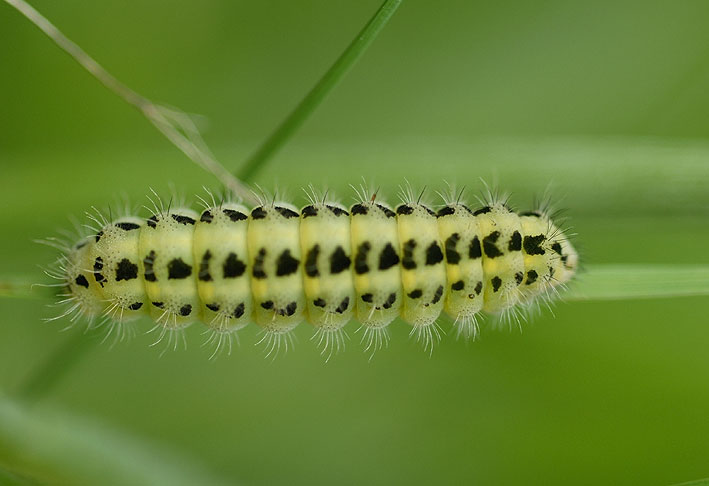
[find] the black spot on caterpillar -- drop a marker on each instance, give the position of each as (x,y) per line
(515,243)
(478,288)
(126,270)
(339,261)
(408,261)
(98,266)
(446,211)
(204,275)
(390,301)
(309,211)
(437,295)
(337,211)
(343,305)
(149,274)
(532,244)
(489,246)
(183,219)
(81,280)
(127,226)
(258,271)
(206,217)
(387,212)
(452,255)
(359,209)
(258,213)
(404,209)
(388,257)
(361,258)
(286,213)
(474,250)
(177,269)
(233,267)
(434,255)
(238,310)
(235,215)
(311,262)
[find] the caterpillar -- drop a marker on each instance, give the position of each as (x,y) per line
(276,266)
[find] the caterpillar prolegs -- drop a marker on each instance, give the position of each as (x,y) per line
(275,266)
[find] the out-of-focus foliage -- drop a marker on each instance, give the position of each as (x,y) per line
(606,100)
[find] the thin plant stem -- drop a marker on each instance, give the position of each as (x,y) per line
(696,482)
(638,281)
(318,93)
(174,124)
(16,287)
(597,282)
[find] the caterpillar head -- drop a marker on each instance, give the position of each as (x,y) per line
(82,294)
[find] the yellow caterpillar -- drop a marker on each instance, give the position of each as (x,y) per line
(276,266)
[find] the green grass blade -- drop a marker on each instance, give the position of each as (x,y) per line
(58,448)
(696,482)
(624,281)
(21,288)
(174,124)
(318,93)
(597,282)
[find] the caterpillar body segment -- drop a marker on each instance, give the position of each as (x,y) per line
(458,230)
(423,270)
(377,277)
(503,260)
(276,273)
(115,269)
(167,268)
(220,248)
(276,266)
(325,242)
(83,295)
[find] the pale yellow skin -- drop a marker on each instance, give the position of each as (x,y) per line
(327,276)
(171,242)
(269,239)
(276,266)
(377,230)
(427,280)
(464,271)
(220,248)
(118,280)
(503,268)
(82,288)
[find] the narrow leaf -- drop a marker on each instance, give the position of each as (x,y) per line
(625,281)
(318,93)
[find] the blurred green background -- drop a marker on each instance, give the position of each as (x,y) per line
(607,101)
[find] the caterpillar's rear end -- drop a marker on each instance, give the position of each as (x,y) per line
(276,267)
